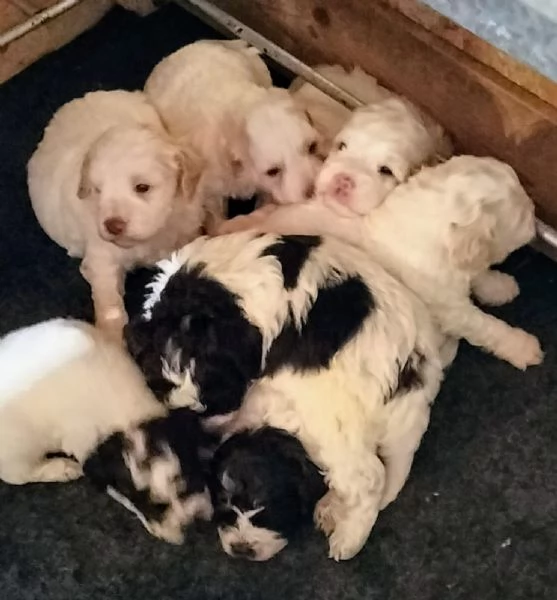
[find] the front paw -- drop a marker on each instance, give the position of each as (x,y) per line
(326,513)
(496,289)
(521,349)
(347,539)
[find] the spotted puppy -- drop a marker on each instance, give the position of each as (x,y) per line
(317,363)
(73,403)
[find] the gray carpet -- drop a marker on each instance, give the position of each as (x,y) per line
(477,519)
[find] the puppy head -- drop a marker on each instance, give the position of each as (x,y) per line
(264,488)
(131,179)
(194,343)
(283,148)
(379,148)
(154,471)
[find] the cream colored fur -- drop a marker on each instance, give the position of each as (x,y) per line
(68,390)
(439,233)
(94,153)
(218,96)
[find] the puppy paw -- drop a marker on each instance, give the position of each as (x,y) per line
(326,512)
(172,535)
(58,470)
(494,288)
(521,349)
(347,540)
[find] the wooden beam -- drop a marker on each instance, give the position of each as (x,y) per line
(485,112)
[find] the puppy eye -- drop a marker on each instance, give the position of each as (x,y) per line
(142,188)
(341,146)
(274,171)
(312,148)
(386,171)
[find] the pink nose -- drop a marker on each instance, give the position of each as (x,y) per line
(341,187)
(115,225)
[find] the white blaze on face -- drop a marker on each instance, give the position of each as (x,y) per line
(264,543)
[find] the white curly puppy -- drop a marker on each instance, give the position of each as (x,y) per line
(218,95)
(66,390)
(109,185)
(439,233)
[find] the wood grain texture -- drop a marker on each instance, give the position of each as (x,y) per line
(485,112)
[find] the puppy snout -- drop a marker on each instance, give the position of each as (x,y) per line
(115,225)
(309,191)
(341,187)
(242,550)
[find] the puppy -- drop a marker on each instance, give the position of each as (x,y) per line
(335,353)
(66,390)
(218,96)
(108,185)
(439,234)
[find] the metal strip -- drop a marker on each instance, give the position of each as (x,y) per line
(204,9)
(35,21)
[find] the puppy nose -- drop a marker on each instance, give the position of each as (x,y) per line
(115,225)
(341,187)
(310,190)
(242,550)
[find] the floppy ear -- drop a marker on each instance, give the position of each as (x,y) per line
(84,186)
(470,245)
(190,169)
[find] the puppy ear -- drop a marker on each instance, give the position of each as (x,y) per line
(470,245)
(84,187)
(190,169)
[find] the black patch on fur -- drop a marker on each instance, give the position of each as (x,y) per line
(292,252)
(180,432)
(410,376)
(199,317)
(267,468)
(334,319)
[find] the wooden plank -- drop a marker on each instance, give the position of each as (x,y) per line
(483,51)
(49,36)
(486,113)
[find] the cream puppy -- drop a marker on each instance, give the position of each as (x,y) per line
(65,389)
(439,234)
(108,185)
(219,97)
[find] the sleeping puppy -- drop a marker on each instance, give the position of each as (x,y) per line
(439,234)
(66,390)
(218,96)
(109,185)
(334,352)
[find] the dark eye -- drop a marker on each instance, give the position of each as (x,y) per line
(274,171)
(312,148)
(142,188)
(386,171)
(341,146)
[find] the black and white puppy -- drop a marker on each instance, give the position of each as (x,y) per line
(329,349)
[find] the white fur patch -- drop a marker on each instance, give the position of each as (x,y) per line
(128,505)
(31,353)
(186,394)
(264,542)
(168,266)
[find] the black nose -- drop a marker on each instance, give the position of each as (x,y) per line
(309,191)
(242,550)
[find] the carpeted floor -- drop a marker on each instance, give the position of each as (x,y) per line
(477,519)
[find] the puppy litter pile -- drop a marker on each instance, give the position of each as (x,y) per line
(346,361)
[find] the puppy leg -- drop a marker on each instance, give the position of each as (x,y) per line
(397,469)
(494,288)
(107,286)
(448,351)
(47,471)
(512,344)
(245,222)
(347,513)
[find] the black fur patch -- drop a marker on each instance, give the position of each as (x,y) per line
(334,319)
(266,468)
(410,376)
(292,252)
(180,432)
(200,317)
